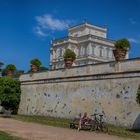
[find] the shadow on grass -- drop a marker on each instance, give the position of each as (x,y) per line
(134,131)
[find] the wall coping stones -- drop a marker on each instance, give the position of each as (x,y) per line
(102,69)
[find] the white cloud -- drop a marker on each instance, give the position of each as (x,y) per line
(47,24)
(39,32)
(133,40)
(132,21)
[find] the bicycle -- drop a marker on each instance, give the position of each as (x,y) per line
(92,124)
(98,124)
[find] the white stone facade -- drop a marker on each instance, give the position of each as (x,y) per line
(89,42)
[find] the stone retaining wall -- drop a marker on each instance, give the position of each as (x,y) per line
(107,88)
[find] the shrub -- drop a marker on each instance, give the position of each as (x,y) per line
(123,44)
(70,54)
(4,72)
(1,64)
(11,67)
(36,62)
(43,69)
(10,93)
(138,95)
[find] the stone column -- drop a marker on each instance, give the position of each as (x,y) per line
(76,51)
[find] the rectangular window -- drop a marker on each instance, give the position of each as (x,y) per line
(79,51)
(61,51)
(107,52)
(101,52)
(93,50)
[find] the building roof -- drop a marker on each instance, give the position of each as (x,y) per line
(104,29)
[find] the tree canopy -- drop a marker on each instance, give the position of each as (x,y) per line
(9,93)
(11,67)
(122,43)
(36,62)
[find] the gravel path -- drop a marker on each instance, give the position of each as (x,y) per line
(32,131)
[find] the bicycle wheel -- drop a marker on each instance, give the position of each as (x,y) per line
(94,126)
(104,127)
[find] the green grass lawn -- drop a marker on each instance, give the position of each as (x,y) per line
(5,136)
(59,122)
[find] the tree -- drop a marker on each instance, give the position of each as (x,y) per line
(121,48)
(9,70)
(122,43)
(35,64)
(11,67)
(69,57)
(4,72)
(1,64)
(10,93)
(69,54)
(41,69)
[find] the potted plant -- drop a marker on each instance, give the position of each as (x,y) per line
(35,65)
(10,69)
(121,48)
(69,57)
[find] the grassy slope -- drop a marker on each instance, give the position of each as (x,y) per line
(5,136)
(58,122)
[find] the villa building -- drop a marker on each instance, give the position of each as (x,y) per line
(88,41)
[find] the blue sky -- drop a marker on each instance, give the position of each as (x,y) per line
(28,26)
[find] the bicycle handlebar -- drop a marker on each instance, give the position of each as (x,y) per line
(94,114)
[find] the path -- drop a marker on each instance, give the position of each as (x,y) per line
(33,131)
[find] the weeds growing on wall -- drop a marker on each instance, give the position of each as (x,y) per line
(138,95)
